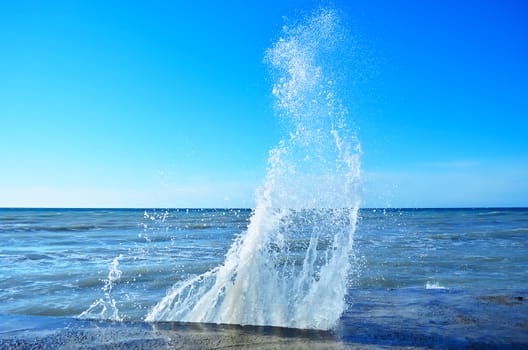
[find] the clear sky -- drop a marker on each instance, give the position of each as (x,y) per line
(168,103)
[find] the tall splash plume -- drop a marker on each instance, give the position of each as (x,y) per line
(290,267)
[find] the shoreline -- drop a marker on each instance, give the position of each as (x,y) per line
(49,332)
(388,319)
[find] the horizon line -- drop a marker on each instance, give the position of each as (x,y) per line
(250,208)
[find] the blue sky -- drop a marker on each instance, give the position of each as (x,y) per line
(168,104)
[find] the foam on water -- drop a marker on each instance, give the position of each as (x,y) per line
(433,285)
(290,267)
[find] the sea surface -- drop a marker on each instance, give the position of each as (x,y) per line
(424,268)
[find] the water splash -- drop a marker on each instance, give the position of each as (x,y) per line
(106,307)
(290,267)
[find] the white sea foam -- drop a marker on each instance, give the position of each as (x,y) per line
(290,267)
(433,285)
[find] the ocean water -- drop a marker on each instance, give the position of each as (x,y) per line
(411,268)
(60,261)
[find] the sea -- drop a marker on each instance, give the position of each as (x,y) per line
(432,277)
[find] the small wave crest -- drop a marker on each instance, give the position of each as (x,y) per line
(434,285)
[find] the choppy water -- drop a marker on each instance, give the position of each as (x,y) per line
(59,261)
(451,248)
